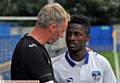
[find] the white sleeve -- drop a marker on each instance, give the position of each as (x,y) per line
(50,81)
(108,76)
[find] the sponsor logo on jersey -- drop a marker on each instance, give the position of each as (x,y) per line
(70,80)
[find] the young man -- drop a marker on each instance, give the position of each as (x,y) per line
(31,60)
(80,64)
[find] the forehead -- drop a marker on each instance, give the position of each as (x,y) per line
(75,26)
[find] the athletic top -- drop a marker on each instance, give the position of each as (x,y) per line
(31,61)
(93,69)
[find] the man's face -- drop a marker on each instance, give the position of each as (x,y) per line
(59,32)
(76,37)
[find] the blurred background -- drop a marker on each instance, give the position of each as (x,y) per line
(17,17)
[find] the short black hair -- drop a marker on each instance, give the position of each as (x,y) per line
(82,20)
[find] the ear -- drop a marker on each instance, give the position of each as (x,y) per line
(52,27)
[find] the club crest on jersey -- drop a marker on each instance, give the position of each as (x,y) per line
(96,74)
(70,80)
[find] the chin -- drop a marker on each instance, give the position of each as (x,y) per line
(74,49)
(50,43)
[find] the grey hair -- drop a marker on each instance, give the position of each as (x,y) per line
(52,13)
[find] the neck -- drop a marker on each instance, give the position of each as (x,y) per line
(40,35)
(79,55)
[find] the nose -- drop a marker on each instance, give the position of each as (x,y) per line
(72,37)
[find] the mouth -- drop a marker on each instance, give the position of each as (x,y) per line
(72,45)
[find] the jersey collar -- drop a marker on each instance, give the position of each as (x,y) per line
(72,63)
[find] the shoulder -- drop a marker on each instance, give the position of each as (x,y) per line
(58,59)
(29,46)
(26,41)
(59,63)
(99,58)
(29,42)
